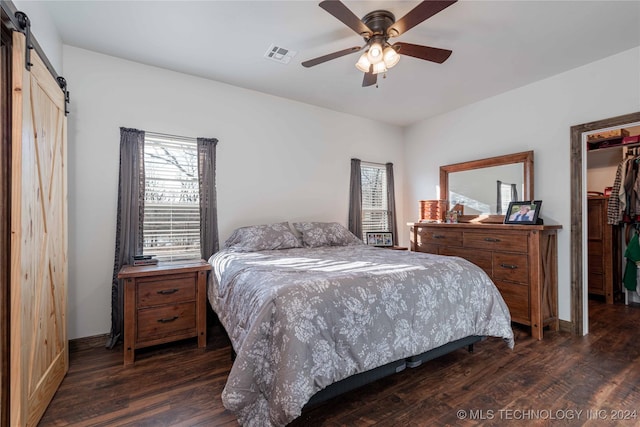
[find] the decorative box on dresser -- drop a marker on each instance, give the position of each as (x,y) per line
(604,249)
(522,260)
(164,303)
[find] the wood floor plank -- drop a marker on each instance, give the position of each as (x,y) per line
(180,385)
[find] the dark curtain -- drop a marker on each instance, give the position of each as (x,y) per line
(129,220)
(355,199)
(208,199)
(514,192)
(391,203)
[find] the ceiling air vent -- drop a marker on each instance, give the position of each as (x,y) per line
(279,54)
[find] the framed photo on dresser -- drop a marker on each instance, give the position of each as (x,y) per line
(523,212)
(379,238)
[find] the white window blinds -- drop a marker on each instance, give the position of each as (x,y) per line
(171,229)
(375,206)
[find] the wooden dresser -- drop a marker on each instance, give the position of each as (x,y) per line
(604,251)
(522,260)
(164,303)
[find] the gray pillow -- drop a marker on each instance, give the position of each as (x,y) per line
(315,234)
(263,237)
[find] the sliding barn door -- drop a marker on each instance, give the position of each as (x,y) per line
(39,355)
(5,214)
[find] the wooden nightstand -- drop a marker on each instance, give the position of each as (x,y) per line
(163,303)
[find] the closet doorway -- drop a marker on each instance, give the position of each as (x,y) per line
(579,293)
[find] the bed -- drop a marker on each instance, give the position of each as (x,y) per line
(312,311)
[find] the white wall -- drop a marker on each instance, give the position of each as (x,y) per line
(535,117)
(277,160)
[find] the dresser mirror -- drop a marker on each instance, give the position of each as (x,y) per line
(480,190)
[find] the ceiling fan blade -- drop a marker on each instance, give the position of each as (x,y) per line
(427,53)
(344,14)
(369,79)
(330,56)
(421,12)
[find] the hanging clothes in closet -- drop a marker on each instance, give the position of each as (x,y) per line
(624,207)
(632,253)
(624,202)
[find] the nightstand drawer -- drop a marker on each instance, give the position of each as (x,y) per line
(176,288)
(166,321)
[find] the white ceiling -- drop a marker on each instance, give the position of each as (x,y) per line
(497,46)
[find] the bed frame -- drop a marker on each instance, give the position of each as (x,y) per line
(364,378)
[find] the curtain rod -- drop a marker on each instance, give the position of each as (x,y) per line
(18,21)
(362,162)
(167,135)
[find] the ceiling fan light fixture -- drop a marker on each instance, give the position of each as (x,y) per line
(379,67)
(363,63)
(390,57)
(375,52)
(376,28)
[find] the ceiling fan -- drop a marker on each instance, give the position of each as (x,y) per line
(377,28)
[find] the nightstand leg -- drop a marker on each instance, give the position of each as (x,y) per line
(129,317)
(201,309)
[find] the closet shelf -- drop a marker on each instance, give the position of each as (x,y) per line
(613,142)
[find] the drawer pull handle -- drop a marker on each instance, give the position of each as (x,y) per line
(509,266)
(168,319)
(491,239)
(167,291)
(438,236)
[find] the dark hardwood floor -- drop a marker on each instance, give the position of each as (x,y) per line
(560,381)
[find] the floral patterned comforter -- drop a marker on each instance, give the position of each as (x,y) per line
(302,319)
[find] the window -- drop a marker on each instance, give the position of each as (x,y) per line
(505,197)
(171,229)
(375,205)
(507,193)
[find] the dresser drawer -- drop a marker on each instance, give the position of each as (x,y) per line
(511,267)
(496,241)
(440,237)
(166,289)
(162,322)
(423,247)
(516,296)
(479,258)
